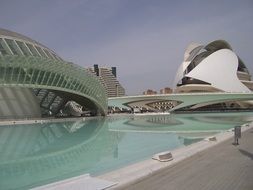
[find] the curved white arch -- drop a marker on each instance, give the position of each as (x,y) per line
(220,70)
(191,52)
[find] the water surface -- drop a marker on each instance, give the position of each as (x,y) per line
(38,154)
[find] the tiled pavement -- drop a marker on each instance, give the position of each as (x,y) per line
(222,167)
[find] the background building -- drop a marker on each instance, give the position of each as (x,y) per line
(108,78)
(166,90)
(149,92)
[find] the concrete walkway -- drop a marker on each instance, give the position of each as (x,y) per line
(222,167)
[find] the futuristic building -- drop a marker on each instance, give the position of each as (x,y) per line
(211,78)
(35,81)
(212,68)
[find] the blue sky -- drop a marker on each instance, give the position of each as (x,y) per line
(144,39)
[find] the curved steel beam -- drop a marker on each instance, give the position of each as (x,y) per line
(45,73)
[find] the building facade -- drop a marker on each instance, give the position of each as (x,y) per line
(108,78)
(149,92)
(166,90)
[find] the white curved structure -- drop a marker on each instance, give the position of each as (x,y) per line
(212,68)
(214,71)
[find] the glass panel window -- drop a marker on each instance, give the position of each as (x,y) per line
(12,46)
(2,72)
(34,76)
(48,54)
(40,51)
(23,48)
(51,79)
(40,77)
(45,78)
(56,57)
(15,74)
(2,50)
(32,49)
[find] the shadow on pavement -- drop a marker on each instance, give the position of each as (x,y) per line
(246,153)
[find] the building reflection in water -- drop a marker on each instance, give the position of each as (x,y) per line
(33,155)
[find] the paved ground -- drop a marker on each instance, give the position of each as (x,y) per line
(223,167)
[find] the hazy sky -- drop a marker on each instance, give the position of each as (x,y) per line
(144,39)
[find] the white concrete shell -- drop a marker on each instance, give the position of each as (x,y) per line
(190,53)
(220,70)
(214,67)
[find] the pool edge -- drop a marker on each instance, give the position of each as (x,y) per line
(134,172)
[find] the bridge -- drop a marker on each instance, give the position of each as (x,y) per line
(183,101)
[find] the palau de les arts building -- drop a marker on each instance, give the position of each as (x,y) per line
(211,78)
(214,68)
(35,82)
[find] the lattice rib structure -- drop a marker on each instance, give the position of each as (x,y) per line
(53,81)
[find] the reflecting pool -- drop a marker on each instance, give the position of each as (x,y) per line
(37,154)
